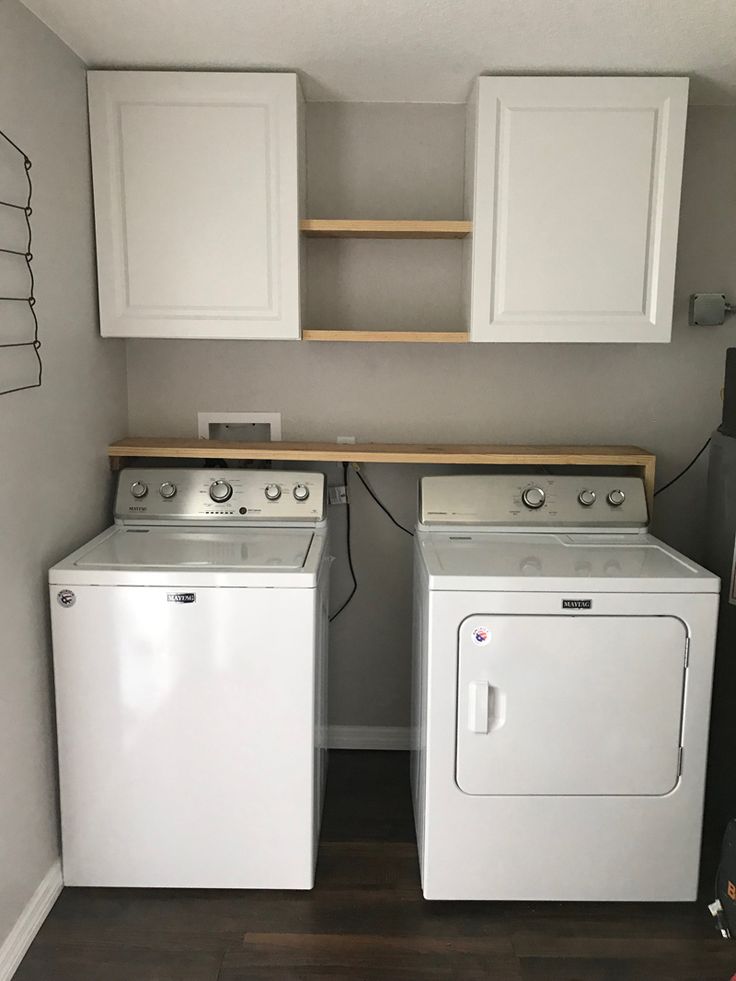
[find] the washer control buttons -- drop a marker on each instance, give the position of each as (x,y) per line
(586,498)
(272,492)
(533,497)
(220,491)
(138,489)
(301,492)
(616,498)
(167,490)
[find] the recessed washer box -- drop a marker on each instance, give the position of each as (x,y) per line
(240,427)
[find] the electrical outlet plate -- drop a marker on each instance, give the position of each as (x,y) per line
(338,495)
(254,427)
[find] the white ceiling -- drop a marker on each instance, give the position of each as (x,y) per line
(408,50)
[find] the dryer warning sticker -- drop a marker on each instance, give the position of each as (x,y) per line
(481,636)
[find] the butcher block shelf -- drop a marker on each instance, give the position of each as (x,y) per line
(460,454)
(388,336)
(394,228)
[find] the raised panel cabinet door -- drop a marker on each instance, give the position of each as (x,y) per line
(197,202)
(574,190)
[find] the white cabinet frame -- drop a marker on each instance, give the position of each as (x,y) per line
(197,203)
(573,186)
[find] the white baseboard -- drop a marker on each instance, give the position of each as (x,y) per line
(29,922)
(368,737)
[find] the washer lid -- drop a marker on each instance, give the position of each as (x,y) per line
(532,562)
(170,548)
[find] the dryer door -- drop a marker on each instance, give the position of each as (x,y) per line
(570,705)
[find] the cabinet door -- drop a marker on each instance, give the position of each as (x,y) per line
(574,187)
(196,187)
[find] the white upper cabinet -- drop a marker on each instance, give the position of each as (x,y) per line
(197,203)
(573,185)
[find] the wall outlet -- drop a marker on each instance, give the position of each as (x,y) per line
(338,495)
(346,439)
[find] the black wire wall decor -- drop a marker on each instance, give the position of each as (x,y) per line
(27,255)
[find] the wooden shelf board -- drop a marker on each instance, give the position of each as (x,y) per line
(388,336)
(468,453)
(358,228)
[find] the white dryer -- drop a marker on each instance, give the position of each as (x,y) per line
(562,681)
(190,645)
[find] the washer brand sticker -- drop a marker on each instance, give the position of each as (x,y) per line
(134,507)
(181,597)
(481,636)
(65,597)
(577,604)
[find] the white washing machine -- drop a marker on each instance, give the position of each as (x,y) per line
(190,670)
(562,689)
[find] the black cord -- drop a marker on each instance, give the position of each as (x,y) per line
(354,590)
(382,506)
(28,258)
(682,473)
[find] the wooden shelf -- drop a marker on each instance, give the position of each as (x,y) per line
(390,336)
(429,453)
(358,228)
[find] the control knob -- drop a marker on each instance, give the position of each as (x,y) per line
(586,498)
(138,489)
(616,498)
(301,492)
(220,491)
(167,490)
(272,492)
(533,497)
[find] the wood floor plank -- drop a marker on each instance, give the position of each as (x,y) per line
(622,946)
(694,967)
(93,962)
(429,957)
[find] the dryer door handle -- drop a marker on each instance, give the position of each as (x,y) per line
(478,706)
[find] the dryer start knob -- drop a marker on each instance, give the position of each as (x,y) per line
(220,491)
(533,497)
(616,498)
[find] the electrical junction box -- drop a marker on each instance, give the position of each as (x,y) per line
(240,427)
(708,309)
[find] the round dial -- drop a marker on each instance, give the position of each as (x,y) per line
(586,498)
(272,492)
(138,489)
(301,492)
(167,490)
(533,497)
(221,491)
(616,498)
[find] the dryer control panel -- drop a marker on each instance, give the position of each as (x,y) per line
(524,501)
(224,496)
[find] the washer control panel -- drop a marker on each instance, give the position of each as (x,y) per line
(148,494)
(514,500)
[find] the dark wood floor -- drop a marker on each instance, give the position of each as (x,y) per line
(366,919)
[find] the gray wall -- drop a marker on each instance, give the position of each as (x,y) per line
(53,486)
(407,161)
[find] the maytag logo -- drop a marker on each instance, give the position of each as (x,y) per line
(577,604)
(181,597)
(134,507)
